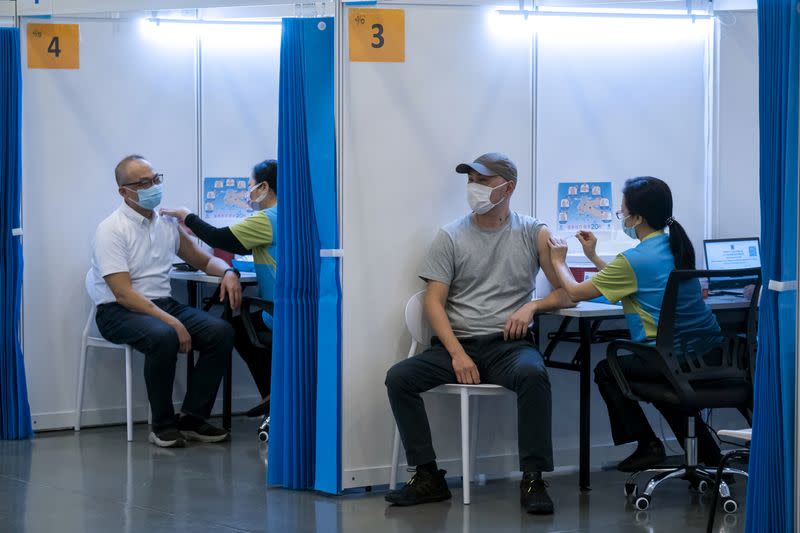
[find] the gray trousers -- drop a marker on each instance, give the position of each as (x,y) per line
(516,365)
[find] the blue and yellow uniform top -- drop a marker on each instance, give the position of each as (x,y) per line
(638,277)
(257,233)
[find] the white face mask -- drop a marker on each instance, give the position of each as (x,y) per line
(479,197)
(258,199)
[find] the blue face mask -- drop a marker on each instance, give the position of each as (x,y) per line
(150,198)
(629,231)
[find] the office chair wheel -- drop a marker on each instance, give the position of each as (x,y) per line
(643,502)
(729,505)
(701,486)
(263,430)
(631,489)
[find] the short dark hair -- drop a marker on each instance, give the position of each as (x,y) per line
(121,170)
(267,171)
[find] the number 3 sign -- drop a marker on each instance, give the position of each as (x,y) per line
(53,46)
(377,35)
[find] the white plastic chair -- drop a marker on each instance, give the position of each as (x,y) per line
(421,334)
(92,338)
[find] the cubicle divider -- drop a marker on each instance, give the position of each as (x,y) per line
(196,101)
(615,99)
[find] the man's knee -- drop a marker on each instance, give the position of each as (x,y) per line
(534,374)
(397,377)
(219,333)
(164,340)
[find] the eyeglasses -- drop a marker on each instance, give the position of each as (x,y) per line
(146,183)
(620,215)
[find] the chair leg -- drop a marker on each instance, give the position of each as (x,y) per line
(465,473)
(473,437)
(660,478)
(395,459)
(81,380)
(128,393)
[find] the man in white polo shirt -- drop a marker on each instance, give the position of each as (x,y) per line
(134,249)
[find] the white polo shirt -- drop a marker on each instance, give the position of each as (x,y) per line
(145,248)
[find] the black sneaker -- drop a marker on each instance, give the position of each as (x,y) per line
(533,495)
(424,487)
(644,457)
(199,430)
(167,438)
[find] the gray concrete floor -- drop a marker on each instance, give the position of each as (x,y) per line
(96,482)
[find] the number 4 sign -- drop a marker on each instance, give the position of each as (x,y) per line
(53,46)
(377,35)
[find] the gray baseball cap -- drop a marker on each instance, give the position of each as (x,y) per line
(491,164)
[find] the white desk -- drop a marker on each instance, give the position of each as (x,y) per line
(199,276)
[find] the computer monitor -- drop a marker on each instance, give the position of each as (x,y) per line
(731,254)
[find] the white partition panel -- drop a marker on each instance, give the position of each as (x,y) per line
(131,95)
(134,93)
(462,91)
(619,98)
(737,212)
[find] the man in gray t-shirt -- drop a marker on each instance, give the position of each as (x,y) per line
(480,274)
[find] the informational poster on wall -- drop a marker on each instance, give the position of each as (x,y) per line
(225,200)
(584,205)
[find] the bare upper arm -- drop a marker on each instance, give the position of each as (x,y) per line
(189,251)
(436,293)
(119,283)
(543,251)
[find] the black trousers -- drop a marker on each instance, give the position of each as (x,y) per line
(628,422)
(516,365)
(211,336)
(259,360)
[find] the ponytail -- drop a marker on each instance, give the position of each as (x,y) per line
(681,246)
(651,199)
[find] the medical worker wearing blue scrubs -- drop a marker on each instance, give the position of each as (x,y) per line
(638,278)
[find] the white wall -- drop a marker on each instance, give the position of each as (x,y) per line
(737,199)
(407,125)
(623,98)
(134,92)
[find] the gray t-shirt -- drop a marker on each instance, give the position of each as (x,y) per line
(491,273)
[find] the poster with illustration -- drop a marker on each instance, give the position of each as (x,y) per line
(584,205)
(225,200)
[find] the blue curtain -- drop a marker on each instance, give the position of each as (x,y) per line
(770,492)
(15,414)
(304,430)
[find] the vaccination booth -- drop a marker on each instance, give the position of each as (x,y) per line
(578,94)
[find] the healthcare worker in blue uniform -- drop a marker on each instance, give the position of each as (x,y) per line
(638,278)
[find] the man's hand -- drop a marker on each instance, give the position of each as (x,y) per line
(230,287)
(465,369)
(180,213)
(517,324)
(558,250)
(183,336)
(588,241)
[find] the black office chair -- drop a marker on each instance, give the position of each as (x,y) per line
(718,378)
(260,339)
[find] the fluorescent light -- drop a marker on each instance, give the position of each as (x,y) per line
(597,25)
(195,22)
(178,32)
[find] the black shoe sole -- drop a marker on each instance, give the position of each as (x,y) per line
(542,511)
(432,499)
